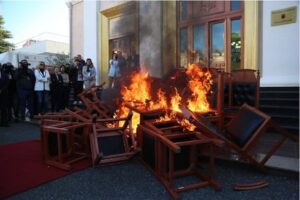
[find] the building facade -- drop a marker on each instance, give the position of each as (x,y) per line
(223,34)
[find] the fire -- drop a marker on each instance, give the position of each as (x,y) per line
(138,94)
(200,85)
(138,90)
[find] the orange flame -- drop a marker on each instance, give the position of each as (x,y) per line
(138,90)
(138,94)
(200,85)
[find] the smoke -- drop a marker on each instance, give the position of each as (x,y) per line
(150,25)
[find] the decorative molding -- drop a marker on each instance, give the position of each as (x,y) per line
(121,9)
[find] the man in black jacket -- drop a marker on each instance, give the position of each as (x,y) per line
(4,83)
(25,81)
(56,90)
(76,79)
(13,111)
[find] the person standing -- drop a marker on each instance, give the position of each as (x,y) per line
(65,87)
(25,81)
(56,90)
(114,70)
(76,79)
(42,88)
(89,73)
(133,62)
(81,60)
(4,83)
(13,111)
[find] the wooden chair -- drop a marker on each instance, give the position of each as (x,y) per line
(170,153)
(112,143)
(243,132)
(60,143)
(241,86)
(93,104)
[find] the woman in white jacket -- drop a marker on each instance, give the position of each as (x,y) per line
(89,73)
(41,88)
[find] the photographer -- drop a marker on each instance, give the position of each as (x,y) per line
(25,81)
(4,82)
(12,106)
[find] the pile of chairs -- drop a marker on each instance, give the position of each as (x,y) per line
(84,132)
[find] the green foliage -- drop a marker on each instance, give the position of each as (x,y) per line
(4,34)
(59,59)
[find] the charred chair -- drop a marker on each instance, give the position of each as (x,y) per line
(112,142)
(243,132)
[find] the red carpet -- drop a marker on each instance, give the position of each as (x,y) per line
(22,168)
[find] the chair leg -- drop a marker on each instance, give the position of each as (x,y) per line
(273,150)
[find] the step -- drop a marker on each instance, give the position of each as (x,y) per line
(286,107)
(286,121)
(280,101)
(296,89)
(285,116)
(279,110)
(279,94)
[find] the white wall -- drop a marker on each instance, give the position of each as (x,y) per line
(34,48)
(90,39)
(280,47)
(77,31)
(57,47)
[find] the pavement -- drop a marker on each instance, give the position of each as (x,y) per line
(131,180)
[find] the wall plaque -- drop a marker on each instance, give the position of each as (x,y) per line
(284,16)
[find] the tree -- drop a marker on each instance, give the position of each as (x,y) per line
(4,34)
(59,59)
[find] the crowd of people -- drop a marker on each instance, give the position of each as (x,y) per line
(24,91)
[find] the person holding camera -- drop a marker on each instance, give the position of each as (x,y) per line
(25,81)
(4,83)
(12,107)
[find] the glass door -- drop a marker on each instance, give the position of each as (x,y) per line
(199,45)
(217,45)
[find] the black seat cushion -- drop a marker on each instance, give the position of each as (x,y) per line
(244,125)
(243,93)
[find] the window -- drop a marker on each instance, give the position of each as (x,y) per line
(217,53)
(210,34)
(236,44)
(183,47)
(199,44)
(235,5)
(183,10)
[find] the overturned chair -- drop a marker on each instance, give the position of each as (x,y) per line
(243,132)
(111,141)
(64,143)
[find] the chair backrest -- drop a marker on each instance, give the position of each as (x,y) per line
(242,127)
(244,87)
(248,123)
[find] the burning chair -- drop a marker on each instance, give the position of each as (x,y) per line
(112,143)
(243,132)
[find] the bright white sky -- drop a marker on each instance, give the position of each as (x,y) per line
(28,18)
